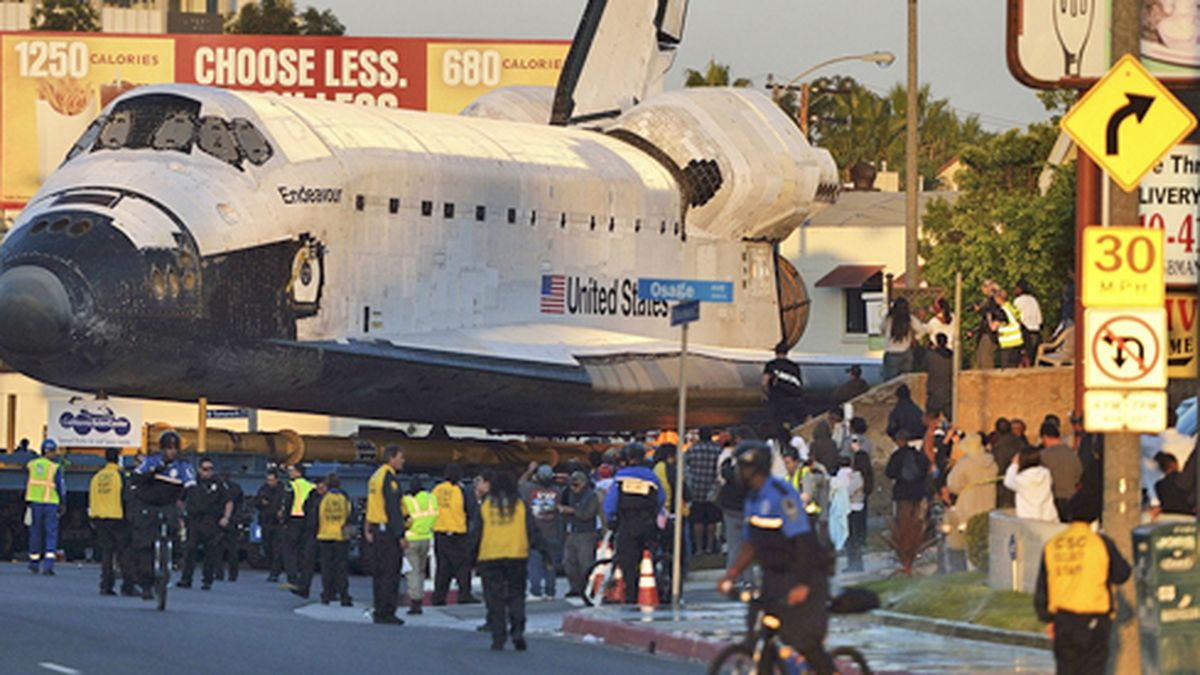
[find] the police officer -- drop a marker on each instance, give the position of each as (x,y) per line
(333,540)
(107,514)
(795,567)
(1075,589)
(269,502)
(208,512)
(159,484)
(295,528)
(385,534)
(422,510)
(632,509)
(46,494)
(231,535)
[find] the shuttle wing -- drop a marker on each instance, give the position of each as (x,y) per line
(620,53)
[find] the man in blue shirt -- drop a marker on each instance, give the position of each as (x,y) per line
(632,507)
(795,566)
(158,485)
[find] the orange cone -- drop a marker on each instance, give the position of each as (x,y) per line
(647,587)
(616,592)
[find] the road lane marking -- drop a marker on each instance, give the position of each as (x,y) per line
(50,665)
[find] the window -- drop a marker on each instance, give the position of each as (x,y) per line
(533,217)
(512,216)
(480,213)
(863,309)
(216,138)
(360,202)
(427,208)
(562,221)
(252,142)
(447,210)
(393,206)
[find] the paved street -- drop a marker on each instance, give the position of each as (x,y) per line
(62,624)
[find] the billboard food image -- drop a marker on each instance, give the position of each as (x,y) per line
(52,85)
(1171,32)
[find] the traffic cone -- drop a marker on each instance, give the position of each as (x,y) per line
(616,592)
(647,587)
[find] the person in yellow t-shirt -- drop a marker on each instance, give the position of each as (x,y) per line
(507,533)
(107,513)
(333,541)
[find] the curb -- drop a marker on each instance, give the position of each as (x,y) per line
(963,630)
(642,638)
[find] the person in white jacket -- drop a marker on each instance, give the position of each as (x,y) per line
(1032,484)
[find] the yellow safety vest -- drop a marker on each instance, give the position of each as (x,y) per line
(300,489)
(452,512)
(1076,561)
(1010,333)
(422,510)
(104,494)
(333,514)
(376,507)
(503,538)
(41,488)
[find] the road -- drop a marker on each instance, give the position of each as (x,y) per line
(61,624)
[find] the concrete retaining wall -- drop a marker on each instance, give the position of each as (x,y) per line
(1029,537)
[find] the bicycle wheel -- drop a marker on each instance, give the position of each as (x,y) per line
(599,579)
(739,660)
(162,572)
(849,661)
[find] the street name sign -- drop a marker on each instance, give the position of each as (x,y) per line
(1128,121)
(682,290)
(1115,411)
(1123,267)
(685,312)
(1127,348)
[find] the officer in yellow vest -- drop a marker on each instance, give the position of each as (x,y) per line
(297,548)
(107,513)
(385,533)
(45,493)
(422,511)
(1009,332)
(506,536)
(451,539)
(333,540)
(1075,590)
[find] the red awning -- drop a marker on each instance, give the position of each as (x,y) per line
(849,276)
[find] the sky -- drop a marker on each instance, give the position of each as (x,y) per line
(961,43)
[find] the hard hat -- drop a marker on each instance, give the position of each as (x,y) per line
(545,474)
(49,446)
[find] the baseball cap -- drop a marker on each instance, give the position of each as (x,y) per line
(579,478)
(854,370)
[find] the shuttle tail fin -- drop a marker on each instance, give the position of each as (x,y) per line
(620,53)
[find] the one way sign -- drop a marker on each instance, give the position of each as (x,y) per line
(1128,121)
(1127,348)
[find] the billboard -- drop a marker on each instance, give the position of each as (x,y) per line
(85,423)
(1053,43)
(1169,200)
(53,84)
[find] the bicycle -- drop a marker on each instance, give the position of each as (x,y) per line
(762,653)
(163,549)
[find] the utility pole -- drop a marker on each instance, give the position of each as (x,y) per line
(1122,454)
(911,179)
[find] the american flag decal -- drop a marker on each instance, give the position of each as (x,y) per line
(554,294)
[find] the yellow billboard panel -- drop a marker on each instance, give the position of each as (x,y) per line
(460,72)
(54,86)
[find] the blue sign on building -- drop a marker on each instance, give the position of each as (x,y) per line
(683,290)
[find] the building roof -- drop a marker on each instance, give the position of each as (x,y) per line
(871,209)
(849,276)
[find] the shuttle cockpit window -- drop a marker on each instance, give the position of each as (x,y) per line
(173,123)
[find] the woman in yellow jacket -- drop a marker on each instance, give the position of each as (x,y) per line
(507,534)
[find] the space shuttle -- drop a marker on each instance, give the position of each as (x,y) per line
(476,270)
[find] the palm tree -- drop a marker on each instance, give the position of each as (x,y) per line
(714,75)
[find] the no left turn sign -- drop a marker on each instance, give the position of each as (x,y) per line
(1127,348)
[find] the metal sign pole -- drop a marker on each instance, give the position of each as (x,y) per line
(677,557)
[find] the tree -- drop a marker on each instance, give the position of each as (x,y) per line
(714,75)
(66,15)
(1001,226)
(279,17)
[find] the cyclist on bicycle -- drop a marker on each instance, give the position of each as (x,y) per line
(631,508)
(158,493)
(778,534)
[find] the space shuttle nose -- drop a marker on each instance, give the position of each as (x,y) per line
(35,311)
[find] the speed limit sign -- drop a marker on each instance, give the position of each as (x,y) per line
(1123,267)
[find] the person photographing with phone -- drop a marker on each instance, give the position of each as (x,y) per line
(778,535)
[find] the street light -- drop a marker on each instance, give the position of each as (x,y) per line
(882,59)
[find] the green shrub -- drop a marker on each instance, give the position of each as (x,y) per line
(977,541)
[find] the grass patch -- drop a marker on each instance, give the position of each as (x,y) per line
(958,597)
